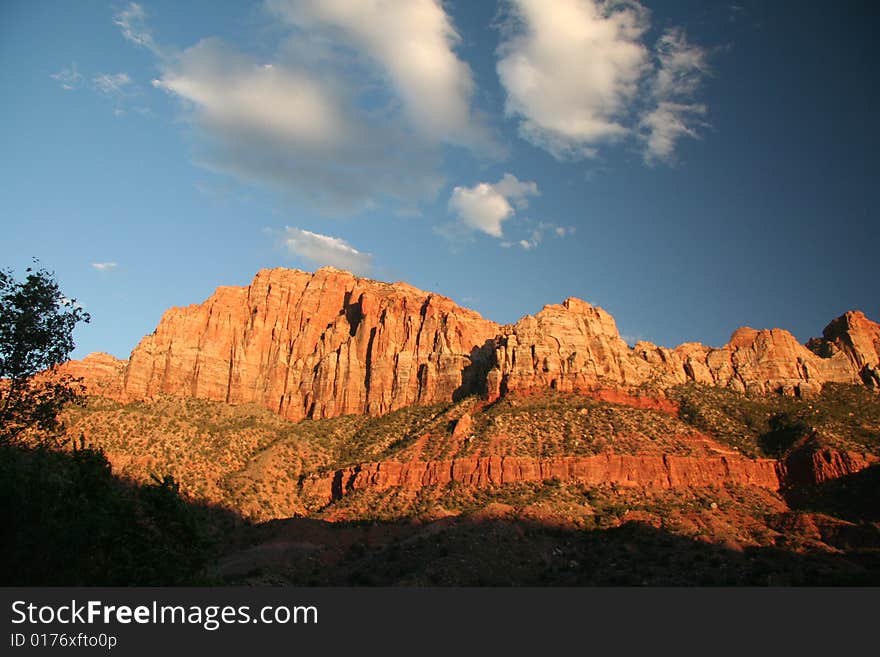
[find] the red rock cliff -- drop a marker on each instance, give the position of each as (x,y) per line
(329,343)
(316,345)
(575,346)
(480,472)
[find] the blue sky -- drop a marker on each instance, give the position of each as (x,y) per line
(690,167)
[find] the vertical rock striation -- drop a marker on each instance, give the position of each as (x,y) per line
(311,345)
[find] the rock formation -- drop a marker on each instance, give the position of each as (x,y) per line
(813,464)
(567,347)
(480,472)
(575,346)
(327,344)
(311,345)
(101,373)
(858,339)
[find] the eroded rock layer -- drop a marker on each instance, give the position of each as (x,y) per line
(659,472)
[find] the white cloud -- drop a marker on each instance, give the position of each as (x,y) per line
(682,67)
(116,84)
(570,69)
(485,206)
(536,235)
(324,250)
(68,78)
(481,208)
(104,266)
(132,24)
(297,124)
(562,231)
(118,88)
(578,74)
(229,91)
(515,190)
(411,42)
(665,125)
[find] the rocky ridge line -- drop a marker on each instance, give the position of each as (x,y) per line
(329,343)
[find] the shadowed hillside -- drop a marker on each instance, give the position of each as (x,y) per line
(69,521)
(247,458)
(244,475)
(72,522)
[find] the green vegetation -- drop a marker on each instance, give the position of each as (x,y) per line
(248,459)
(846,417)
(243,457)
(36,334)
(561,424)
(67,519)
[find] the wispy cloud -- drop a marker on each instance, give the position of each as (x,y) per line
(578,75)
(411,43)
(536,235)
(667,123)
(682,67)
(115,84)
(485,207)
(104,266)
(119,89)
(324,250)
(287,127)
(132,22)
(68,78)
(562,231)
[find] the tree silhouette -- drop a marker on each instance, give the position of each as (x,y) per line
(36,335)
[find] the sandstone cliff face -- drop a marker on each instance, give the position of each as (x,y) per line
(811,465)
(855,337)
(327,344)
(806,466)
(754,361)
(481,472)
(567,347)
(101,373)
(311,345)
(575,346)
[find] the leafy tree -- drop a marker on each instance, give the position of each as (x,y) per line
(36,335)
(67,519)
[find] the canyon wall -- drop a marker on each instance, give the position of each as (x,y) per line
(575,346)
(329,343)
(311,345)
